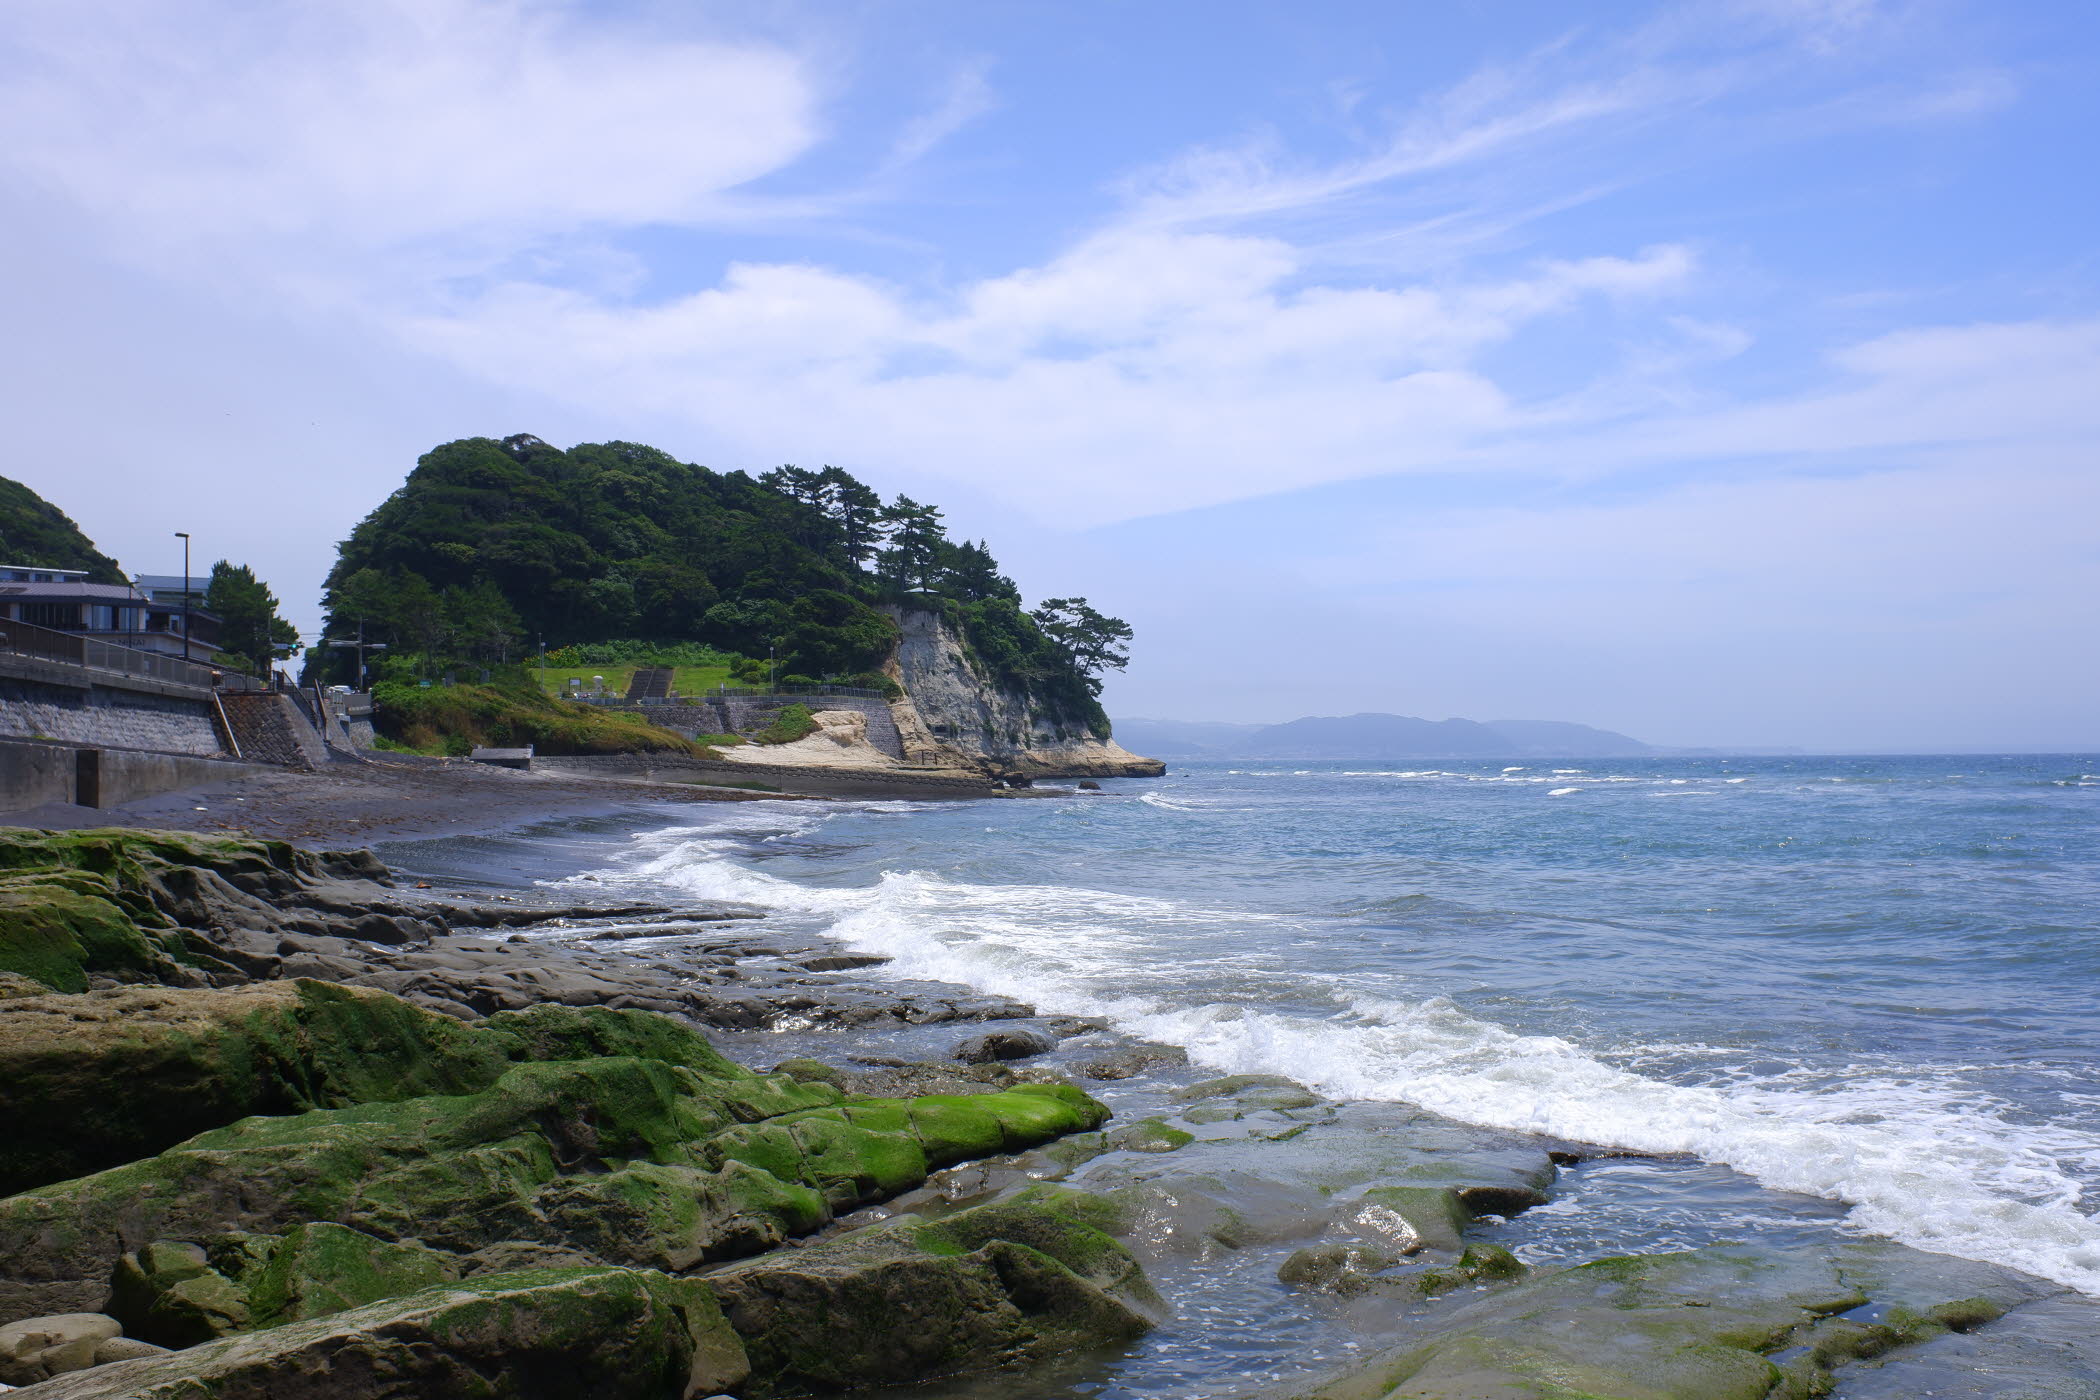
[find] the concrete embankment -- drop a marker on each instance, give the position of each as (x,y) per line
(36,773)
(794,779)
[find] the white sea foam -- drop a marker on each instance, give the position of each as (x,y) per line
(1916,1162)
(1562,792)
(1918,1157)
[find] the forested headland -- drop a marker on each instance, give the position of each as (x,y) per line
(492,551)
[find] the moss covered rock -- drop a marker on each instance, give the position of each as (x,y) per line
(909,1299)
(542,1334)
(634,1160)
(178,1294)
(120,904)
(98,1079)
(88,1082)
(1149,1135)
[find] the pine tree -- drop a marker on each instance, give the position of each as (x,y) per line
(1093,642)
(917,538)
(250,630)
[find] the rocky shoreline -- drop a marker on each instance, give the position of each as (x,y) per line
(284,1125)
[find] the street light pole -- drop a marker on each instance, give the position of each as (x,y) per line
(184,536)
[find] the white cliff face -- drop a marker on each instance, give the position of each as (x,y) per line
(951,716)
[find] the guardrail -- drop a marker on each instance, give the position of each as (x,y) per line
(785,692)
(27,639)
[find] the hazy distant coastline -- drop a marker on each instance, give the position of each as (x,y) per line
(1372,735)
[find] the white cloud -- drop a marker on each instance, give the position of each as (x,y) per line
(387,120)
(1139,372)
(443,170)
(2005,384)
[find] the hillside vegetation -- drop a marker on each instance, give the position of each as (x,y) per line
(33,531)
(456,719)
(493,549)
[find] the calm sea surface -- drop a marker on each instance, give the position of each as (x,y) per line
(1867,980)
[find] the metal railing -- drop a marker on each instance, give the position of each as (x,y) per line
(784,692)
(27,639)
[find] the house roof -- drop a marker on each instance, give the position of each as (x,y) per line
(69,575)
(70,592)
(105,593)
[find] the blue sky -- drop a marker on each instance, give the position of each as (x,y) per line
(1720,373)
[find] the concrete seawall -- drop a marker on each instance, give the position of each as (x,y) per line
(35,772)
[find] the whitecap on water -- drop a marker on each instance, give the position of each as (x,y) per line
(1918,1157)
(1917,1162)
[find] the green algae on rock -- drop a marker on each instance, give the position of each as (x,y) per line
(93,1080)
(178,1294)
(637,1161)
(910,1300)
(537,1334)
(114,902)
(88,1082)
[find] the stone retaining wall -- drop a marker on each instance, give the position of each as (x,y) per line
(101,716)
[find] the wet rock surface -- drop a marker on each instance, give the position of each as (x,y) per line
(1003,1045)
(1720,1323)
(94,910)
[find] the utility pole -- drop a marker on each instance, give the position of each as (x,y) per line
(184,536)
(361,646)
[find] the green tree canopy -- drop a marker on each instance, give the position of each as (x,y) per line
(1095,643)
(249,628)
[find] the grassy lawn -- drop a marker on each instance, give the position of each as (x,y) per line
(691,680)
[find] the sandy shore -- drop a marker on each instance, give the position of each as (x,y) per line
(386,796)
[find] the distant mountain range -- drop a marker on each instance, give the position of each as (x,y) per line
(1377,736)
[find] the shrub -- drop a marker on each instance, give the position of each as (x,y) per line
(640,653)
(795,722)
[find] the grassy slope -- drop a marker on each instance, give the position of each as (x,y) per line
(457,718)
(691,680)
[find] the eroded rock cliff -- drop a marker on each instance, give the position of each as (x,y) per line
(955,714)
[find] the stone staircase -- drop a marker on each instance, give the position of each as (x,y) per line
(651,683)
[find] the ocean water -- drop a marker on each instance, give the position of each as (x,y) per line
(1862,991)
